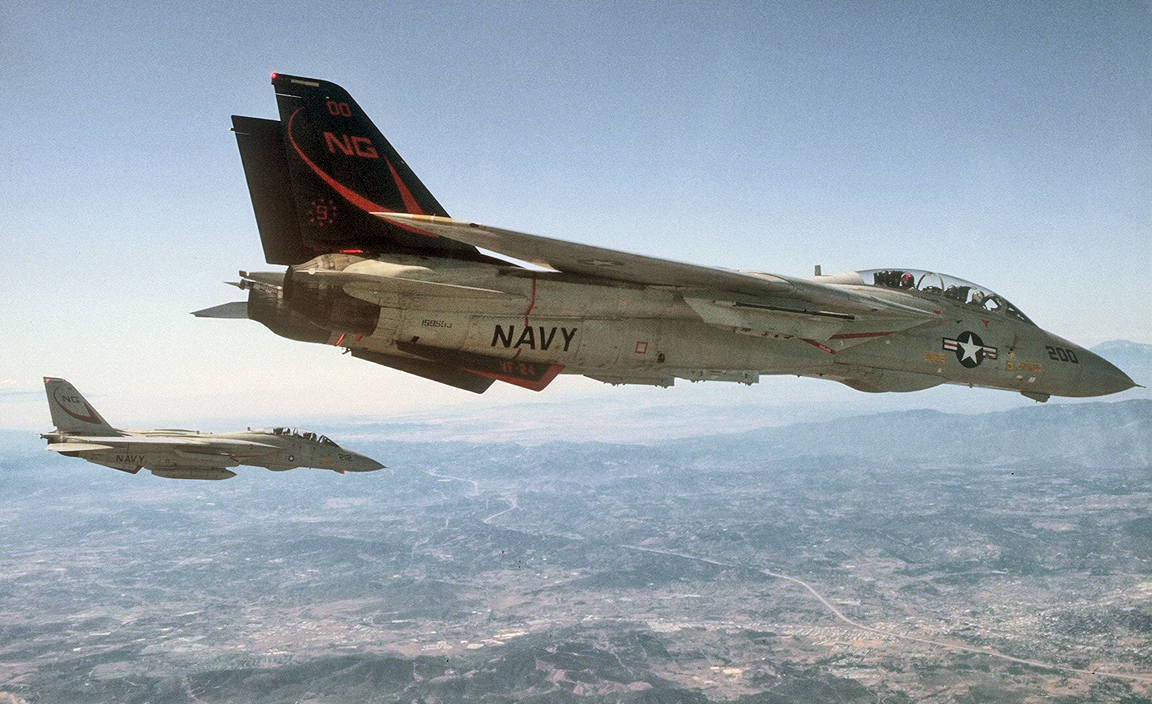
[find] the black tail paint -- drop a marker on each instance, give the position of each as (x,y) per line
(317,174)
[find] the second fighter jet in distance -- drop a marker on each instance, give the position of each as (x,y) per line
(185,454)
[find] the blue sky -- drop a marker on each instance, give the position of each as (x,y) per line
(1005,143)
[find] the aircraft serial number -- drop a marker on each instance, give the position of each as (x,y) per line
(427,323)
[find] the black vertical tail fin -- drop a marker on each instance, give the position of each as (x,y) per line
(317,174)
(336,142)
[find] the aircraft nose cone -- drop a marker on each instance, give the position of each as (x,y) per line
(367,464)
(1107,378)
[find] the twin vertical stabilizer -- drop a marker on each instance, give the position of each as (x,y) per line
(317,173)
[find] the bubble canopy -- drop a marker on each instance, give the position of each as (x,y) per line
(303,434)
(929,283)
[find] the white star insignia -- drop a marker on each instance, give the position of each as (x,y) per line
(970,349)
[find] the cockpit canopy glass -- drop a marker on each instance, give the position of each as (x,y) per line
(932,284)
(303,435)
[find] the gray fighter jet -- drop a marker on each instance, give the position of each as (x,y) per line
(377,267)
(185,454)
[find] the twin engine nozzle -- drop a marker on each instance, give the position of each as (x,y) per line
(306,307)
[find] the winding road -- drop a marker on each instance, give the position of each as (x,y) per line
(891,634)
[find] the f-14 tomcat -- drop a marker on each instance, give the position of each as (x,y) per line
(185,454)
(376,266)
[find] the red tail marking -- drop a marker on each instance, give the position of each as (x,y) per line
(92,417)
(409,200)
(335,143)
(360,146)
(351,196)
(364,148)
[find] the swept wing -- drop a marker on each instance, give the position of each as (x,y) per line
(224,447)
(755,301)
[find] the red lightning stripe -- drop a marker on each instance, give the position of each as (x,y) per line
(409,201)
(531,305)
(819,345)
(854,335)
(352,196)
(92,417)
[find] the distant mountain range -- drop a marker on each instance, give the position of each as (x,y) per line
(1101,434)
(1093,434)
(1135,358)
(1107,433)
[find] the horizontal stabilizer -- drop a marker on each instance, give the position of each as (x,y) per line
(77,447)
(200,444)
(236,309)
(271,278)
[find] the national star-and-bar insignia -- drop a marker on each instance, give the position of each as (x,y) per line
(969,349)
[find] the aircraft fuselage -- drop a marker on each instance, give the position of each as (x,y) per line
(624,333)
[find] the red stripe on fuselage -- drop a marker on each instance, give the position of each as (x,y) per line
(531,305)
(819,345)
(857,335)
